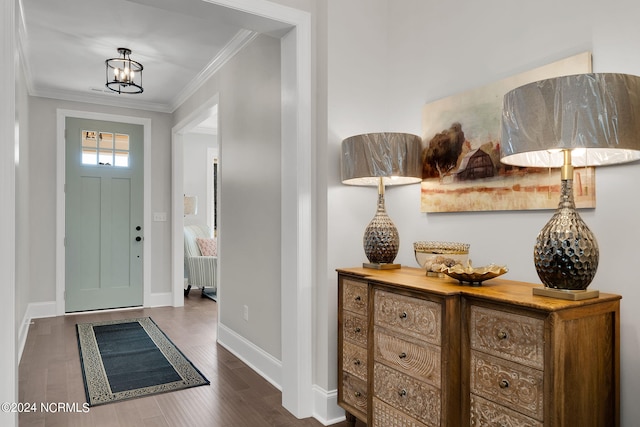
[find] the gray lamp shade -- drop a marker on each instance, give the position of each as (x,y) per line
(396,157)
(599,113)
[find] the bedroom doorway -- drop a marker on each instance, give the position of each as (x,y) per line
(200,163)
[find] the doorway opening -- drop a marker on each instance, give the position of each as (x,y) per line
(295,370)
(200,151)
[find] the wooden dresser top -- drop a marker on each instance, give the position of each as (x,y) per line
(499,290)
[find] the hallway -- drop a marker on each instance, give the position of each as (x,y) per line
(50,373)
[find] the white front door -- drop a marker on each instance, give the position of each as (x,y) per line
(104,214)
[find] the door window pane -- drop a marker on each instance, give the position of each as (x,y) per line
(122,159)
(105,148)
(122,142)
(89,156)
(106,140)
(89,145)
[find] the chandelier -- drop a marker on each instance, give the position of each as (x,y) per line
(124,75)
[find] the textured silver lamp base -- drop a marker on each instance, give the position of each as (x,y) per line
(380,265)
(566,251)
(381,240)
(567,294)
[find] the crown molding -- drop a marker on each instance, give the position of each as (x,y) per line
(106,99)
(235,45)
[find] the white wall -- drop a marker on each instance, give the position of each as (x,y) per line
(24,238)
(250,196)
(248,87)
(196,147)
(384,66)
(9,115)
(357,95)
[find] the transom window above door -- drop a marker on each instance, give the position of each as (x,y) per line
(105,148)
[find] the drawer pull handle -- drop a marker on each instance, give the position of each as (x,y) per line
(402,355)
(358,298)
(357,394)
(502,335)
(504,384)
(358,330)
(403,315)
(402,392)
(357,362)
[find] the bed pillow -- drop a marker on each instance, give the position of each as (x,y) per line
(208,247)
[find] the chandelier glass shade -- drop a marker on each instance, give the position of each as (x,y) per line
(124,75)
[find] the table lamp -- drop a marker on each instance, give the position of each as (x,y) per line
(577,120)
(381,159)
(190,205)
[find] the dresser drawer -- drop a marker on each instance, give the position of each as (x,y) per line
(415,398)
(417,359)
(354,328)
(487,413)
(354,360)
(515,386)
(386,416)
(511,336)
(354,392)
(355,296)
(412,316)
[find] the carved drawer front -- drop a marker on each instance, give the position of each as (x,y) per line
(354,296)
(354,360)
(354,328)
(511,336)
(515,386)
(415,398)
(386,416)
(354,392)
(487,413)
(412,316)
(417,359)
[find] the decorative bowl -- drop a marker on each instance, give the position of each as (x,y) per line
(475,275)
(434,257)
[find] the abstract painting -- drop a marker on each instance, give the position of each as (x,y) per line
(461,166)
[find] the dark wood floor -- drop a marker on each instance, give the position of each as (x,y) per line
(50,373)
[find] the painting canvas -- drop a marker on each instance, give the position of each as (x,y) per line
(461,157)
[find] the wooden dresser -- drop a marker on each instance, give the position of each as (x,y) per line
(423,351)
(353,299)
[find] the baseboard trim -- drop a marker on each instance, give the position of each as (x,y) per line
(325,406)
(325,403)
(267,366)
(35,310)
(163,299)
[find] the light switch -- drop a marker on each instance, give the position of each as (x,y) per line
(159,216)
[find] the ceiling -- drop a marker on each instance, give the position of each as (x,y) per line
(180,43)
